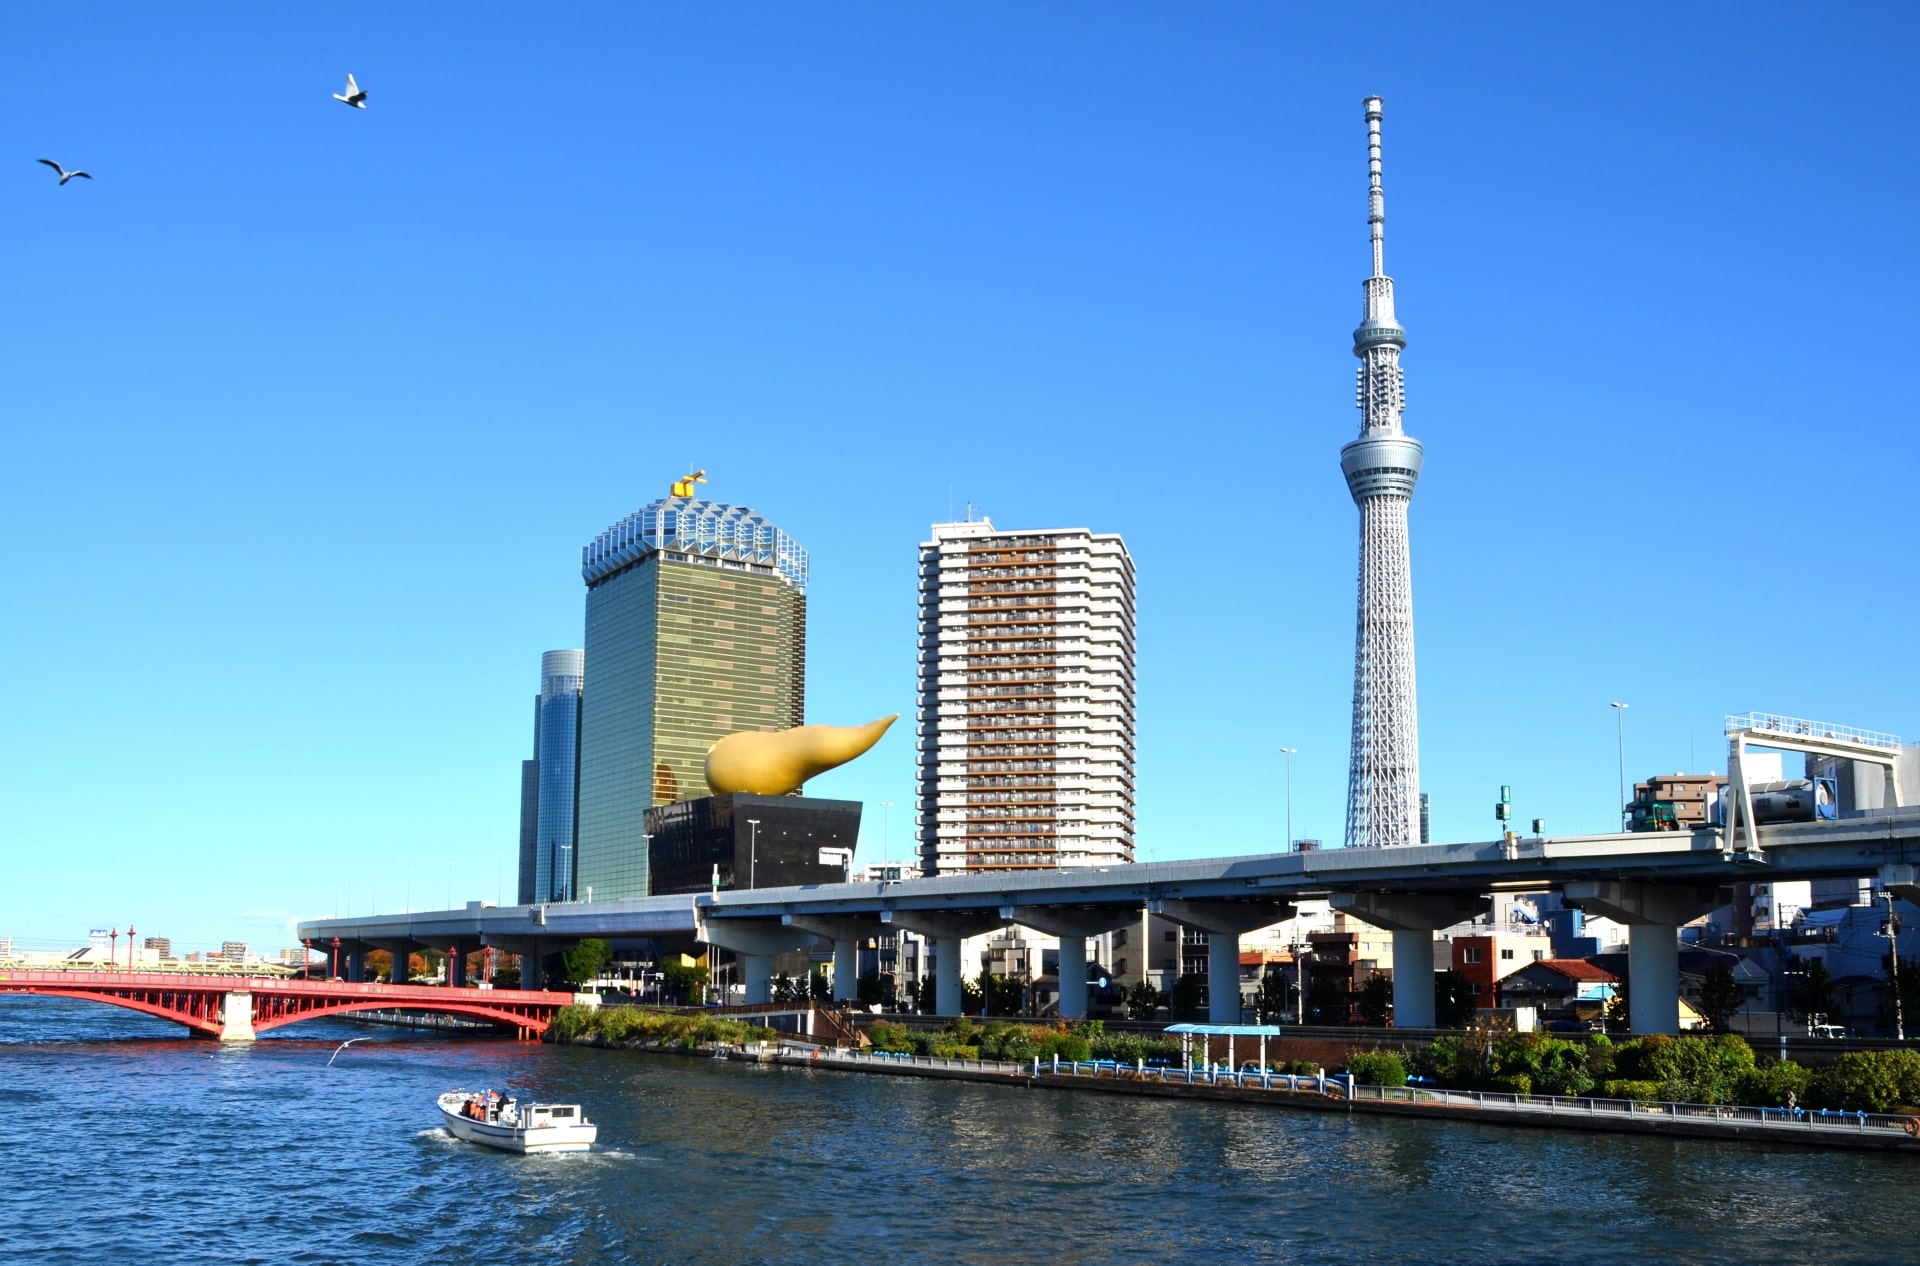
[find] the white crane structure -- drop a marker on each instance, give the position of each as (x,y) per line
(1381,467)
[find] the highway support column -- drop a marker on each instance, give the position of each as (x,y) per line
(844,933)
(1073,927)
(1653,914)
(946,931)
(1413,918)
(755,941)
(1224,922)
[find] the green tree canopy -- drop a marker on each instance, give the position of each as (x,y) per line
(584,961)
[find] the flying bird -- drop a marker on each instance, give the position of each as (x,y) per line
(343,1046)
(352,96)
(65,175)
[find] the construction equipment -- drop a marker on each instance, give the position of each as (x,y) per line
(1658,816)
(684,487)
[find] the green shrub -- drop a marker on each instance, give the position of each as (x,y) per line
(1769,1084)
(891,1037)
(1128,1048)
(1629,1088)
(1867,1081)
(1068,1046)
(1377,1068)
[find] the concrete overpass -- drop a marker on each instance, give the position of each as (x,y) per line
(1653,882)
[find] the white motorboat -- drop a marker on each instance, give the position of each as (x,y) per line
(490,1118)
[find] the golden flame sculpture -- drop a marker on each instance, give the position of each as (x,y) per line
(764,764)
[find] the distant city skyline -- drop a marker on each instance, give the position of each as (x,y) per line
(287,468)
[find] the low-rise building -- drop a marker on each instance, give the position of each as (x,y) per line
(1486,958)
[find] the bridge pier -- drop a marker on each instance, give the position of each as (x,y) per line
(1413,918)
(1224,922)
(755,941)
(946,932)
(1653,914)
(236,1017)
(1073,927)
(845,933)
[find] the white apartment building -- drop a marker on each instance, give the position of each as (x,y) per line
(1026,699)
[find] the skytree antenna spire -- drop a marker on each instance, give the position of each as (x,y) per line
(1381,467)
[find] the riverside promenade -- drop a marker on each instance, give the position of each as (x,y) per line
(1854,1131)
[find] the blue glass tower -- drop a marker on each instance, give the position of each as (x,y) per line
(557,758)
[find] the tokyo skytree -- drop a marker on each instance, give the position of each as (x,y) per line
(1383,776)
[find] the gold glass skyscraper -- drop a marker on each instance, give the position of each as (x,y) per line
(696,629)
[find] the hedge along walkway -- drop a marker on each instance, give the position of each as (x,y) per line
(1856,1131)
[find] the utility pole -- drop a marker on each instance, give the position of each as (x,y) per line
(1890,928)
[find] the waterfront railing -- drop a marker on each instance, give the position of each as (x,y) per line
(1783,1120)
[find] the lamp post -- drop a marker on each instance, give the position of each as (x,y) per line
(1620,726)
(1289,752)
(753,849)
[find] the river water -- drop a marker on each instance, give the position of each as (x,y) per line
(123,1142)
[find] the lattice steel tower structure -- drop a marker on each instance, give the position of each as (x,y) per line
(1383,775)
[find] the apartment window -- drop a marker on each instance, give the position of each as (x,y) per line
(1470,954)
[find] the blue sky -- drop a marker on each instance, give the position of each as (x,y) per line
(308,411)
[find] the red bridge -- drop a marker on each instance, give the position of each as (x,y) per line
(236,1009)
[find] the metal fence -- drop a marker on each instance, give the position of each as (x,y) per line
(1784,1120)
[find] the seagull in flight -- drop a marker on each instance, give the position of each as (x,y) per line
(65,175)
(343,1046)
(353,96)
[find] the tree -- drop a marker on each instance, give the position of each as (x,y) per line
(1619,1009)
(1274,1002)
(1327,1001)
(1143,1001)
(683,985)
(1907,980)
(1720,997)
(1452,1000)
(1376,1000)
(1185,1002)
(584,961)
(1814,991)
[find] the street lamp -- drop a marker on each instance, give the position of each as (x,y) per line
(1289,751)
(1620,719)
(753,849)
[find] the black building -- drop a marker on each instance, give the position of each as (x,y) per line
(692,837)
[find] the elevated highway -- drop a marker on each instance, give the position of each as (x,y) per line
(1653,882)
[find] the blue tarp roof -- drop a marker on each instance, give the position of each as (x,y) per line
(1226,1030)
